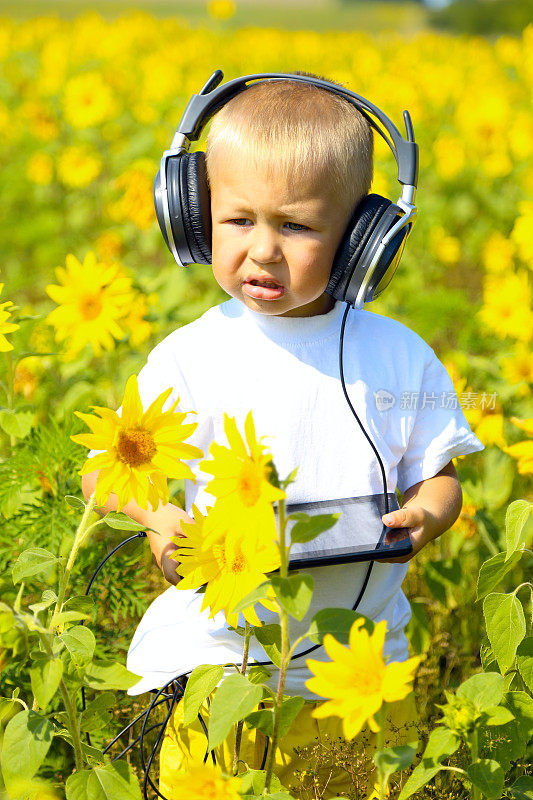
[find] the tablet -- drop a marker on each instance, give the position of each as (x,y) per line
(358,535)
(393,543)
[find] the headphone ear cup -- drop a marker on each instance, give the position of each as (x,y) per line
(196,206)
(357,235)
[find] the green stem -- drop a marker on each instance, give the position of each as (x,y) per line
(285,647)
(10,390)
(474,750)
(78,541)
(70,707)
(238,733)
(380,719)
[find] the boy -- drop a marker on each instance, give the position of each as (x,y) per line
(287,164)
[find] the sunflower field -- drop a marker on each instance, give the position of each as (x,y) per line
(87,107)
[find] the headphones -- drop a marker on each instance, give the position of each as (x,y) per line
(373,242)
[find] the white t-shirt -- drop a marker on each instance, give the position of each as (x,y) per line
(286,370)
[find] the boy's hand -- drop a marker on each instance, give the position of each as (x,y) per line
(430,508)
(419,523)
(168,564)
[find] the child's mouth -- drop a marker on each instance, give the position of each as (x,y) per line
(263,290)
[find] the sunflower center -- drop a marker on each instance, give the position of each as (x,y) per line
(238,564)
(369,681)
(249,484)
(90,307)
(135,446)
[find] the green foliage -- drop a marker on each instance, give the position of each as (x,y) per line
(483,17)
(201,683)
(234,699)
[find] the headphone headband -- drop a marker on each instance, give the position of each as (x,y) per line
(212,97)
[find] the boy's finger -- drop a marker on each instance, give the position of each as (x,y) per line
(403,518)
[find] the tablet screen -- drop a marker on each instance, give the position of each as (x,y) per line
(359,534)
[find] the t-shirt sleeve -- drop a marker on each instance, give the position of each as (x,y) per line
(440,431)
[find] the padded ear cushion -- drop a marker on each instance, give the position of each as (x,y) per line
(359,230)
(196,205)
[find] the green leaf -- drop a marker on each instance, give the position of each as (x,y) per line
(516,532)
(263,719)
(258,674)
(69,616)
(417,779)
(487,656)
(441,743)
(511,739)
(506,627)
(337,621)
(309,527)
(499,470)
(27,739)
(291,477)
(122,522)
(269,637)
(294,593)
(110,675)
(48,598)
(9,706)
(524,661)
(484,690)
(80,643)
(253,783)
(522,789)
(81,603)
(32,562)
(521,705)
(418,631)
(110,782)
(97,713)
(394,759)
(497,715)
(488,776)
(234,699)
(74,502)
(259,593)
(45,678)
(16,423)
(493,571)
(200,684)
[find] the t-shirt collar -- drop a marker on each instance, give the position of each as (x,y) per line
(286,329)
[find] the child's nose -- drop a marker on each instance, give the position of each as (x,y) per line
(265,246)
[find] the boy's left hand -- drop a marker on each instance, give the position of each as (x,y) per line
(419,523)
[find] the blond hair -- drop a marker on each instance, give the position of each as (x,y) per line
(295,128)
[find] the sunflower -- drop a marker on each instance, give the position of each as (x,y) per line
(204,782)
(241,478)
(229,553)
(5,326)
(141,449)
(88,100)
(357,681)
(507,305)
(523,451)
(92,298)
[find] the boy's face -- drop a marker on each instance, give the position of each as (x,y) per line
(268,229)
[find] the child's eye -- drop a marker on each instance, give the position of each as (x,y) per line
(295,226)
(240,221)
